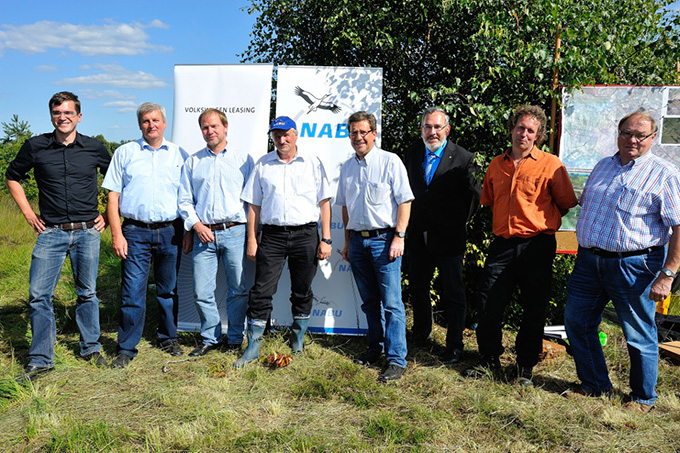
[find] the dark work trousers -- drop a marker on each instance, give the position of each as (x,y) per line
(516,262)
(299,244)
(421,270)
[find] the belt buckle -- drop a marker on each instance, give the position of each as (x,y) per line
(365,234)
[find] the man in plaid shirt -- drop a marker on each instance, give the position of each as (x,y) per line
(630,210)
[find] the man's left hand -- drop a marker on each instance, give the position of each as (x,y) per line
(396,248)
(323,251)
(661,288)
(100,223)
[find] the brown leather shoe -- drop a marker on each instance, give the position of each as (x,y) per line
(637,407)
(576,391)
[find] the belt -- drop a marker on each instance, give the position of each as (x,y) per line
(288,227)
(608,254)
(73,225)
(222,226)
(149,226)
(373,233)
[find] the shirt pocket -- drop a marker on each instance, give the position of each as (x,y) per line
(528,187)
(377,193)
(304,185)
(635,202)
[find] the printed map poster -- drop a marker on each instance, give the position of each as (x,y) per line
(320,100)
(589,131)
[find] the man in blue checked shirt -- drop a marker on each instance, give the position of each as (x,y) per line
(211,207)
(143,181)
(630,210)
(375,196)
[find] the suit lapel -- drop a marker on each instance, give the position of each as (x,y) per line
(445,162)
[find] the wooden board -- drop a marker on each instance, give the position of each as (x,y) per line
(670,349)
(566,242)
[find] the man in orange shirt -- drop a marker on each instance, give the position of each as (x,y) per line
(528,191)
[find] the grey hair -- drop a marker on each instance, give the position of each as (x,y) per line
(149,107)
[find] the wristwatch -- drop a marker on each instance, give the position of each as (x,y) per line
(400,234)
(327,241)
(667,272)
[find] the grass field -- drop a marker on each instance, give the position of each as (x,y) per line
(321,402)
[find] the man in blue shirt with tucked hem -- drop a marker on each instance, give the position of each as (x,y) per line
(375,196)
(211,207)
(630,210)
(65,165)
(143,181)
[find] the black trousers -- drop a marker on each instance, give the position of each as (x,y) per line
(421,271)
(299,246)
(516,262)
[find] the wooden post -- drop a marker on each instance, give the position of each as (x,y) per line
(553,109)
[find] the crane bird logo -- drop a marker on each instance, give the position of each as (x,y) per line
(315,102)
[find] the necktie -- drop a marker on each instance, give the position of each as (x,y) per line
(429,166)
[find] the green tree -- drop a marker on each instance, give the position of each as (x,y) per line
(15,130)
(475,58)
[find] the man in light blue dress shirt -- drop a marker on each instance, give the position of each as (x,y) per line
(211,207)
(143,183)
(375,196)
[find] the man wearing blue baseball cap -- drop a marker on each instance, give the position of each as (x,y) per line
(287,192)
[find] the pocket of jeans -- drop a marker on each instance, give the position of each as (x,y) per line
(47,230)
(652,262)
(93,231)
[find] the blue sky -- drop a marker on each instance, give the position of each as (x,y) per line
(113,54)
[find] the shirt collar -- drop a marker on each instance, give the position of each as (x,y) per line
(637,161)
(534,153)
(78,140)
(368,157)
(144,145)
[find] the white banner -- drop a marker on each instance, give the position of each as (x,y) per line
(243,93)
(320,99)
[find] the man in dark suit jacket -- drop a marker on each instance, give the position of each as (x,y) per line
(442,177)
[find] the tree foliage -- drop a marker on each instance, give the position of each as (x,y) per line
(477,59)
(15,130)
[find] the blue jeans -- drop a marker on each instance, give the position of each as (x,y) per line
(163,246)
(626,282)
(49,253)
(229,246)
(379,283)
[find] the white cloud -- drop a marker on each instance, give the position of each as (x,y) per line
(120,104)
(105,94)
(117,77)
(46,68)
(107,39)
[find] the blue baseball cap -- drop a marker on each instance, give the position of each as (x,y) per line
(283,123)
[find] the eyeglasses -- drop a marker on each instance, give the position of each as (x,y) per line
(428,127)
(57,114)
(363,134)
(638,137)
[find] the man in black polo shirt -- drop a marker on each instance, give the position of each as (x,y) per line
(65,166)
